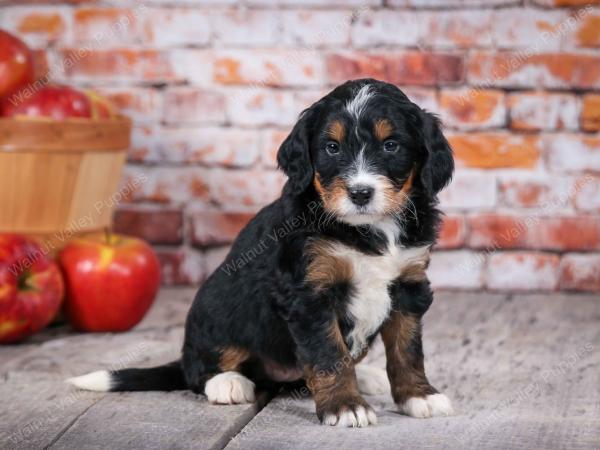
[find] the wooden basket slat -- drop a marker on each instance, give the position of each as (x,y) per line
(53,174)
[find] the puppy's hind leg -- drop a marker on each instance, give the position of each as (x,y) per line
(229,388)
(217,375)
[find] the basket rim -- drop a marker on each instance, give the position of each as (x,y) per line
(74,134)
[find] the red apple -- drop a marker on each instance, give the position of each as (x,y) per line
(111,281)
(101,107)
(16,64)
(31,288)
(56,102)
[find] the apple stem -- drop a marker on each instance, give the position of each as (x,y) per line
(108,235)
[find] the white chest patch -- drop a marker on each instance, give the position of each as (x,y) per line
(370,304)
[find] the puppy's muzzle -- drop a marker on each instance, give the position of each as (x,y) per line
(361,194)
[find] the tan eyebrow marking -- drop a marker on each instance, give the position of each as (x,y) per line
(336,131)
(383,129)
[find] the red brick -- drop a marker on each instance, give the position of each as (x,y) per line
(245,188)
(214,228)
(39,25)
(459,269)
(542,111)
(362,4)
(181,266)
(528,191)
(580,272)
(40,65)
(522,271)
(183,105)
(296,67)
(408,67)
(105,26)
(533,232)
(232,189)
(590,113)
(588,34)
(50,24)
(457,29)
(210,146)
(469,109)
(519,27)
(142,105)
(566,3)
(571,153)
(450,3)
(495,150)
(174,185)
(530,69)
(133,65)
(452,233)
(157,226)
(142,147)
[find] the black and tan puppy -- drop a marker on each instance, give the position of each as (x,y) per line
(339,258)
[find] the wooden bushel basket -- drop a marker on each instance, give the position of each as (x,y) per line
(57,178)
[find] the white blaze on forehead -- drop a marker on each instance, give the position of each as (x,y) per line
(356,106)
(362,172)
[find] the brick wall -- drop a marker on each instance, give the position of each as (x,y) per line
(213,88)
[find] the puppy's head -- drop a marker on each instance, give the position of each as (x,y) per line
(364,147)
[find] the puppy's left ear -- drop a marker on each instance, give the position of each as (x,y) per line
(293,156)
(438,166)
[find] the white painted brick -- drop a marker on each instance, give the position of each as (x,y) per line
(169,27)
(544,111)
(522,271)
(257,106)
(245,27)
(456,269)
(386,27)
(314,29)
(571,153)
(469,190)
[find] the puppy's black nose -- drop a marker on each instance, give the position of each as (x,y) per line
(361,194)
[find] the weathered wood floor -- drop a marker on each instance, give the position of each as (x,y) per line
(523,373)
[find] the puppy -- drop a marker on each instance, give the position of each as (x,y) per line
(339,258)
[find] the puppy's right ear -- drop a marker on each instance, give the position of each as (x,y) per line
(294,154)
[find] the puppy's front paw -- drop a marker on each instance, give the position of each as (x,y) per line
(350,414)
(372,380)
(229,388)
(428,406)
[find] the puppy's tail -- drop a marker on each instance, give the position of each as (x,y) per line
(162,378)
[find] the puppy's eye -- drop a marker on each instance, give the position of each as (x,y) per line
(332,148)
(391,146)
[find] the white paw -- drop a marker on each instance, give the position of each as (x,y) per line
(229,388)
(372,380)
(439,405)
(359,417)
(429,406)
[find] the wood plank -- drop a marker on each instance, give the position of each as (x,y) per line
(522,371)
(156,420)
(37,407)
